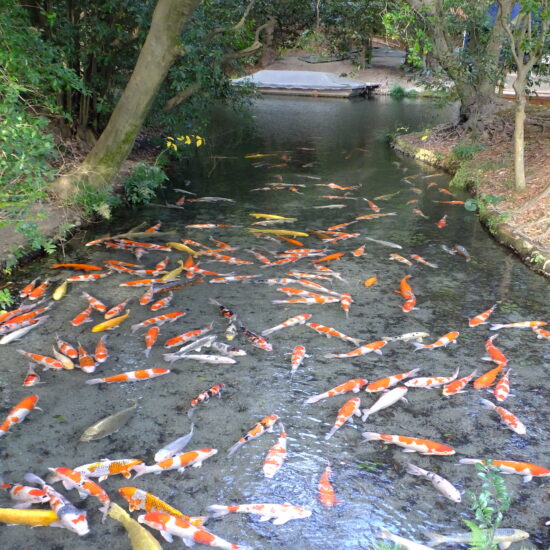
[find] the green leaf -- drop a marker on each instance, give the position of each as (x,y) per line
(471,205)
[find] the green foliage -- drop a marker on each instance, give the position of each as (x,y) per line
(382,545)
(142,184)
(6,299)
(391,135)
(398,92)
(94,201)
(466,150)
(488,506)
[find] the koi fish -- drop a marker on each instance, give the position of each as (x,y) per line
(494,354)
(174,447)
(141,500)
(231,331)
(521,324)
(431,382)
(150,339)
(400,541)
(488,379)
(83,317)
(482,317)
(226,349)
(400,259)
(170,527)
(384,243)
(19,413)
(309,300)
(419,336)
(141,282)
(65,361)
(409,304)
(345,302)
(320,288)
(445,340)
(32,378)
(27,289)
(361,350)
(80,267)
(66,349)
(26,326)
(38,291)
(256,340)
(182,247)
(422,260)
(508,419)
(325,490)
(329,258)
(159,321)
(454,203)
(106,468)
(405,288)
(502,389)
(147,296)
(86,361)
(111,323)
(541,333)
(276,455)
(76,480)
(261,427)
(353,385)
(154,228)
(445,487)
(411,444)
(44,360)
(130,376)
(330,332)
(95,303)
(371,281)
(179,462)
(269,216)
(501,537)
(89,277)
(375,216)
(24,495)
(69,516)
(386,400)
(525,469)
(208,225)
(420,213)
(292,321)
(188,336)
(232,279)
(346,412)
(298,356)
(281,512)
(442,222)
(146,246)
(372,205)
(457,386)
(163,302)
(101,352)
(205,396)
(461,251)
(115,310)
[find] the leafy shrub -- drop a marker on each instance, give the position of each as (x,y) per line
(6,299)
(142,184)
(466,150)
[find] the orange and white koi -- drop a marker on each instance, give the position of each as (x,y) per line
(384,383)
(89,277)
(95,303)
(521,324)
(445,340)
(86,361)
(372,205)
(409,304)
(205,396)
(116,310)
(130,376)
(146,246)
(385,400)
(281,512)
(400,259)
(309,300)
(319,288)
(325,490)
(147,296)
(19,413)
(170,527)
(32,378)
(482,317)
(329,258)
(350,409)
(353,385)
(101,352)
(106,468)
(208,225)
(420,213)
(502,389)
(154,228)
(404,288)
(72,479)
(488,379)
(226,259)
(38,291)
(264,425)
(141,500)
(298,356)
(345,302)
(69,516)
(292,321)
(412,201)
(225,312)
(231,279)
(27,289)
(541,333)
(494,354)
(457,386)
(179,462)
(150,339)
(44,360)
(361,350)
(24,495)
(525,469)
(19,321)
(188,336)
(330,332)
(302,275)
(411,444)
(66,349)
(508,419)
(454,203)
(142,282)
(422,260)
(163,302)
(256,340)
(340,226)
(442,222)
(159,321)
(431,381)
(83,317)
(358,251)
(276,455)
(375,216)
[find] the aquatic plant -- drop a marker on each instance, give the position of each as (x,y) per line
(141,185)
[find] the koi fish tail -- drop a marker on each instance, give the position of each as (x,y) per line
(330,355)
(314,398)
(366,414)
(105,510)
(171,357)
(135,327)
(140,469)
(371,436)
(469,461)
(487,404)
(418,345)
(414,470)
(93,381)
(218,510)
(435,539)
(233,448)
(496,327)
(214,302)
(267,332)
(384,534)
(147,352)
(332,432)
(33,478)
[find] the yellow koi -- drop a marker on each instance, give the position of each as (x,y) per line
(280,232)
(27,517)
(111,323)
(183,248)
(259,155)
(61,290)
(271,217)
(175,273)
(140,538)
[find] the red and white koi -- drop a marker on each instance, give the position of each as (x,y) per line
(179,462)
(27,289)
(361,350)
(147,246)
(481,319)
(147,296)
(345,302)
(232,279)
(205,396)
(493,353)
(264,425)
(541,333)
(116,310)
(358,251)
(38,291)
(521,324)
(411,444)
(142,282)
(445,340)
(502,389)
(325,490)
(276,455)
(86,361)
(159,321)
(66,349)
(106,468)
(188,336)
(353,385)
(150,339)
(431,381)
(457,386)
(44,360)
(215,257)
(130,376)
(154,228)
(442,222)
(400,259)
(525,469)
(170,527)
(32,378)
(163,302)
(281,512)
(256,340)
(422,260)
(508,419)
(292,321)
(298,356)
(330,332)
(24,495)
(101,352)
(83,317)
(350,409)
(309,300)
(89,277)
(19,413)
(319,288)
(95,303)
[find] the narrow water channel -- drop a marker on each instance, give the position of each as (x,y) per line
(303,143)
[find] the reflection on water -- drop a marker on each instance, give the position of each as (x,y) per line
(317,141)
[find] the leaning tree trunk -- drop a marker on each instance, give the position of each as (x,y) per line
(161,48)
(519,131)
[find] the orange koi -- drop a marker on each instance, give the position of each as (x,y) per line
(83,317)
(362,350)
(80,267)
(276,455)
(445,340)
(400,259)
(454,203)
(372,206)
(130,376)
(384,383)
(482,317)
(358,251)
(404,288)
(89,277)
(345,302)
(154,228)
(86,361)
(159,320)
(502,389)
(525,469)
(290,241)
(442,222)
(371,281)
(353,385)
(162,303)
(411,444)
(541,333)
(101,352)
(494,354)
(298,356)
(329,258)
(264,425)
(141,282)
(326,491)
(150,339)
(44,360)
(457,386)
(188,336)
(409,304)
(27,289)
(38,291)
(19,413)
(488,379)
(32,378)
(508,419)
(330,332)
(347,411)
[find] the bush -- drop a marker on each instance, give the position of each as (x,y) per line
(142,184)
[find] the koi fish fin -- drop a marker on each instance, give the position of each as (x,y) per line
(331,433)
(198,521)
(233,448)
(503,545)
(190,412)
(487,404)
(168,536)
(496,327)
(469,461)
(182,469)
(417,346)
(139,470)
(33,478)
(280,520)
(147,352)
(315,398)
(265,518)
(366,414)
(102,478)
(218,510)
(411,451)
(22,506)
(414,470)
(527,478)
(378,352)
(93,381)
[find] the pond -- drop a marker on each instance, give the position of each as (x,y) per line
(305,144)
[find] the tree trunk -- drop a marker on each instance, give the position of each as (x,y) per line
(161,48)
(519,129)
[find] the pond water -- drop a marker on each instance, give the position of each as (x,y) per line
(314,142)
